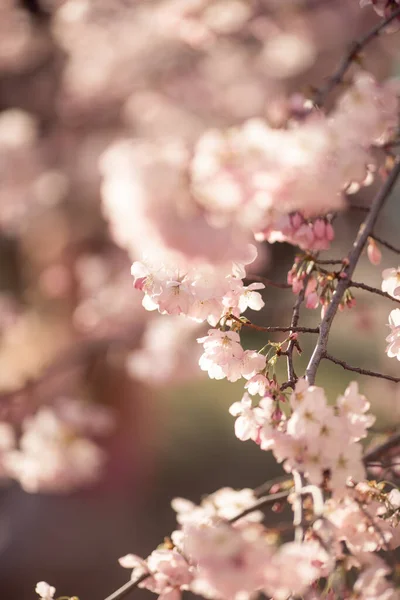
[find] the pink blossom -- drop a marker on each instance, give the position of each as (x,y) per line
(169,572)
(229,559)
(373,252)
(391,282)
(393,347)
(248,420)
(53,455)
(225,503)
(258,384)
(301,563)
(45,591)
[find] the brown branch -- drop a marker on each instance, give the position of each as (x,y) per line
(347,367)
(273,329)
(269,282)
(359,207)
(355,49)
(379,451)
(353,257)
(329,262)
(373,290)
(291,374)
(386,244)
(267,501)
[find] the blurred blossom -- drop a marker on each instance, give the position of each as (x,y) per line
(169,352)
(107,300)
(54,454)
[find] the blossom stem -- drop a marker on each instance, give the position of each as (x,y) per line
(291,374)
(267,501)
(353,257)
(382,449)
(269,282)
(347,367)
(127,587)
(373,290)
(274,329)
(337,78)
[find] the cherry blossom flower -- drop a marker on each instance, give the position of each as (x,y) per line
(393,347)
(301,563)
(229,559)
(225,503)
(224,356)
(54,454)
(248,420)
(259,384)
(45,591)
(391,282)
(169,572)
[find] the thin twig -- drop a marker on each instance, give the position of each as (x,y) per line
(373,290)
(359,207)
(337,78)
(273,329)
(262,503)
(347,367)
(329,262)
(385,243)
(269,282)
(127,587)
(382,449)
(353,257)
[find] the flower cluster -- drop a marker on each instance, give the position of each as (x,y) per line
(319,284)
(213,557)
(55,452)
(224,356)
(224,550)
(314,438)
(240,175)
(204,293)
(391,285)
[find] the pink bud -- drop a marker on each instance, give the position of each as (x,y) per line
(330,232)
(296,220)
(373,252)
(312,300)
(319,228)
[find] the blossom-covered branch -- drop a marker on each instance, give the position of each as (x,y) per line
(353,257)
(357,46)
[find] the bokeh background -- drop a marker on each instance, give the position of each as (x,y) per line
(75,77)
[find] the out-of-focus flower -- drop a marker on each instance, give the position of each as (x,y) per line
(54,454)
(45,591)
(393,347)
(391,282)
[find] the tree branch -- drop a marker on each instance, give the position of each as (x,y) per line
(373,290)
(355,49)
(127,587)
(347,367)
(353,257)
(269,282)
(291,374)
(267,501)
(274,329)
(382,449)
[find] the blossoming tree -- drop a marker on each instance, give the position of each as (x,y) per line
(193,214)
